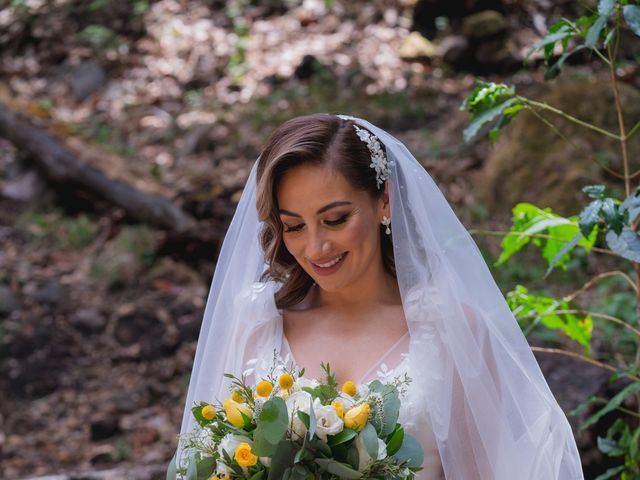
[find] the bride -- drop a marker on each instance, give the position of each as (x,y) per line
(343,250)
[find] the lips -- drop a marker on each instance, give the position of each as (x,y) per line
(330,266)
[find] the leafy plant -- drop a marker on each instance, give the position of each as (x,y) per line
(605,220)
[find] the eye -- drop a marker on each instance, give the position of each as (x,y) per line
(294,228)
(337,221)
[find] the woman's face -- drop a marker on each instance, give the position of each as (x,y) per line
(331,228)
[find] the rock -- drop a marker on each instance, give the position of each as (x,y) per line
(85,79)
(104,428)
(50,293)
(8,302)
(484,24)
(415,47)
(88,320)
(454,50)
(27,186)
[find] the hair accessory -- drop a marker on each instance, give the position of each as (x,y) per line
(378,158)
(386,221)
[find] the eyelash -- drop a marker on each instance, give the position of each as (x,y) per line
(331,223)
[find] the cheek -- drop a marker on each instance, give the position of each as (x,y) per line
(359,233)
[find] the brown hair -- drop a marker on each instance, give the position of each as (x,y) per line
(319,139)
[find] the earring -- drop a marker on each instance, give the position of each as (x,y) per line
(386,222)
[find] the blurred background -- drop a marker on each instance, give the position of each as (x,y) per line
(127,131)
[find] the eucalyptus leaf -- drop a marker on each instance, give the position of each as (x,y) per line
(192,470)
(274,420)
(281,460)
(411,450)
(172,469)
(632,17)
(370,440)
(334,467)
(631,206)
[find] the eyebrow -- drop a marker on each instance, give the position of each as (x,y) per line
(329,206)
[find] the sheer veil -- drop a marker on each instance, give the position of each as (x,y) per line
(491,410)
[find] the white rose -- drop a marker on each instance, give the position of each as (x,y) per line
(229,444)
(266,461)
(303,382)
(327,420)
(364,459)
(298,401)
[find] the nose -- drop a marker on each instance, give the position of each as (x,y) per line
(318,245)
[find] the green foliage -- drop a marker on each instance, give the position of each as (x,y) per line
(487,103)
(552,313)
(548,231)
(613,221)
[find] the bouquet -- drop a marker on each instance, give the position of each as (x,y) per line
(291,427)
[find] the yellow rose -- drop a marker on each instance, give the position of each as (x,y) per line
(357,417)
(234,409)
(349,388)
(244,456)
(285,381)
(264,388)
(339,408)
(208,412)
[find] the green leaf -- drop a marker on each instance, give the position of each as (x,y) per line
(612,472)
(595,191)
(631,207)
(281,460)
(342,470)
(485,117)
(605,7)
(625,245)
(192,470)
(612,216)
(632,17)
(594,32)
(370,440)
(609,447)
(342,437)
(261,445)
(614,403)
(257,475)
(542,308)
(395,442)
(557,32)
(274,420)
(589,217)
(566,248)
(411,451)
(171,469)
(530,220)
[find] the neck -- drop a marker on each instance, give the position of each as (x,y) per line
(376,288)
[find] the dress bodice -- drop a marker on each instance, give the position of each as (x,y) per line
(413,411)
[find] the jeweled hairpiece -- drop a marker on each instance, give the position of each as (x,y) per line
(378,158)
